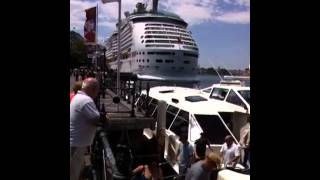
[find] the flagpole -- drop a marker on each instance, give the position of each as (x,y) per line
(118,58)
(97,37)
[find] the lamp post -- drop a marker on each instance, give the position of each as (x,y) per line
(104,72)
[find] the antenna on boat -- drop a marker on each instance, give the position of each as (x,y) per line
(215,70)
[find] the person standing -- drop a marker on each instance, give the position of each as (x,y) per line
(84,118)
(76,87)
(185,155)
(245,143)
(230,153)
(200,146)
(202,170)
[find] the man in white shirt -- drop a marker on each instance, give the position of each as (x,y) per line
(245,143)
(230,153)
(84,118)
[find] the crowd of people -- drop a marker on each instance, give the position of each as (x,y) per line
(194,162)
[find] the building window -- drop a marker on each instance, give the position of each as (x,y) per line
(181,68)
(186,62)
(141,37)
(173,68)
(169,61)
(157,67)
(142,41)
(142,60)
(159,60)
(147,60)
(142,52)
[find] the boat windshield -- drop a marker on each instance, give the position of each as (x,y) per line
(213,128)
(245,94)
(219,93)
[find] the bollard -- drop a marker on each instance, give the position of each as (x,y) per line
(103,91)
(133,98)
(146,102)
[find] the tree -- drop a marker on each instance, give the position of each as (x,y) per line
(78,50)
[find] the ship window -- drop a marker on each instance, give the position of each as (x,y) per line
(206,123)
(162,41)
(234,99)
(159,60)
(169,61)
(180,125)
(150,52)
(219,93)
(191,55)
(186,62)
(147,60)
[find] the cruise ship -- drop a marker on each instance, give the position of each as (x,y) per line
(155,45)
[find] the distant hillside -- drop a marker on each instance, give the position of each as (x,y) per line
(221,71)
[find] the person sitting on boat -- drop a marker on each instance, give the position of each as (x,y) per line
(230,153)
(184,155)
(200,146)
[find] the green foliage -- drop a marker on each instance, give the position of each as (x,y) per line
(78,50)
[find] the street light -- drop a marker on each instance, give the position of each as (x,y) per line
(104,72)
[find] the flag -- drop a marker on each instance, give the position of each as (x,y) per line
(109,1)
(90,25)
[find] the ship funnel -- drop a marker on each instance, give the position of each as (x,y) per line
(154,5)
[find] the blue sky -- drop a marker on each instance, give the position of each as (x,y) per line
(221,28)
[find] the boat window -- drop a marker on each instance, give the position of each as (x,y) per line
(245,94)
(141,100)
(213,128)
(219,93)
(234,99)
(207,90)
(171,113)
(180,125)
(153,106)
